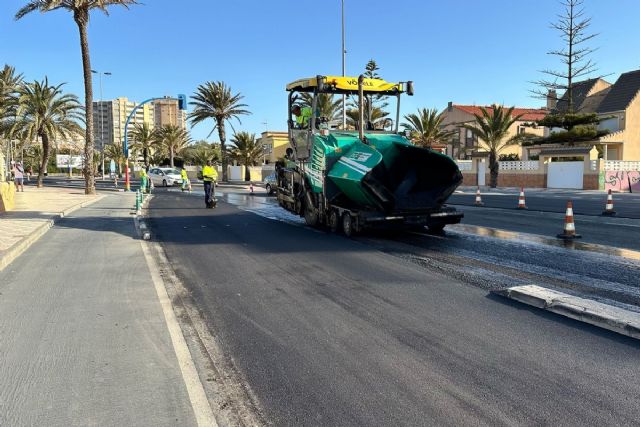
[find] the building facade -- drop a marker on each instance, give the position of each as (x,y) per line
(167,112)
(109,118)
(274,144)
(464,143)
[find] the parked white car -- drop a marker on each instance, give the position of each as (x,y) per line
(165,177)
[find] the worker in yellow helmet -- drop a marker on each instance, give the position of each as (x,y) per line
(209,176)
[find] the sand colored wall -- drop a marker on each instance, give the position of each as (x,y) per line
(7,196)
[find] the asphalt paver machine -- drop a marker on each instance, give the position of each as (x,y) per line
(367,174)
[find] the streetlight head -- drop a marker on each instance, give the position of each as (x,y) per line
(107,73)
(94,71)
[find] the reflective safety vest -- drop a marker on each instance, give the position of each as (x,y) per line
(209,174)
(183,174)
(303,118)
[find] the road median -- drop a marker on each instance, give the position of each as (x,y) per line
(616,319)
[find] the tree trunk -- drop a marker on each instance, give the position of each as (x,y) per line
(247,173)
(223,149)
(493,168)
(145,155)
(45,158)
(82,19)
(171,156)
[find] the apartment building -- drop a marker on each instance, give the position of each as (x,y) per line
(109,118)
(167,112)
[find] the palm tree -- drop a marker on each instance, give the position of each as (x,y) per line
(492,129)
(81,11)
(247,151)
(214,100)
(326,105)
(377,119)
(9,83)
(47,113)
(426,128)
(202,151)
(143,138)
(115,152)
(174,139)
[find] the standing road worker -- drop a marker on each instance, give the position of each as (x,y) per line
(209,176)
(186,184)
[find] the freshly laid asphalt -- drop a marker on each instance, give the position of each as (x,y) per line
(611,231)
(626,205)
(83,340)
(331,331)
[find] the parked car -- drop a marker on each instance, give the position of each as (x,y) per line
(165,176)
(270,184)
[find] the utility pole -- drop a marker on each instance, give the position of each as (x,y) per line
(344,52)
(101,110)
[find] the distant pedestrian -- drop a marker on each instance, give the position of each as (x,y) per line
(18,175)
(29,173)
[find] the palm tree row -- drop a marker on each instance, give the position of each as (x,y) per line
(37,111)
(168,140)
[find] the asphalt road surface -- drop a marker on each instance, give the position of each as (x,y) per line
(398,329)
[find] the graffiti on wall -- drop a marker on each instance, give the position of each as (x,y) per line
(621,180)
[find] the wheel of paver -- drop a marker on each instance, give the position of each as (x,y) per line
(333,221)
(310,214)
(347,224)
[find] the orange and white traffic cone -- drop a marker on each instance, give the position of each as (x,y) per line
(521,204)
(478,198)
(569,226)
(608,211)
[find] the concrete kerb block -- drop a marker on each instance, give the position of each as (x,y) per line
(602,315)
(139,221)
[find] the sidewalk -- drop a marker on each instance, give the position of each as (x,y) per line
(35,212)
(83,338)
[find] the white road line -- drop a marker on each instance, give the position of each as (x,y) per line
(199,402)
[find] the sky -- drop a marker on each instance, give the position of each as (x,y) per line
(465,51)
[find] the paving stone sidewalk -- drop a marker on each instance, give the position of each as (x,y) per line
(35,212)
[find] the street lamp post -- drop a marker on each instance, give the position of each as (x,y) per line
(100,73)
(344,52)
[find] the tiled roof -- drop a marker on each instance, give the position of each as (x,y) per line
(622,93)
(528,114)
(580,91)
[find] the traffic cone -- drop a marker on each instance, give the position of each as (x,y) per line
(521,204)
(478,198)
(569,226)
(608,211)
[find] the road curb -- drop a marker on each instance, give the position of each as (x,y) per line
(139,220)
(605,316)
(19,248)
